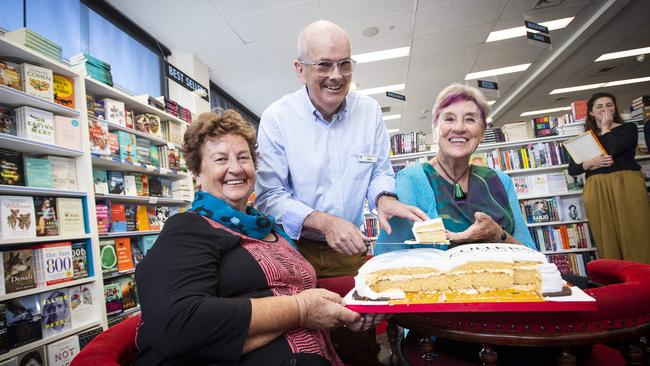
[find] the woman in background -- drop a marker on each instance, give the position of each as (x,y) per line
(477,204)
(615,197)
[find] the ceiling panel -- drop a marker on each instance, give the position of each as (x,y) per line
(346,11)
(235,9)
(151,14)
(390,28)
(447,39)
(457,15)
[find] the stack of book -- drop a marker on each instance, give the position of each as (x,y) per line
(36,42)
(542,126)
(493,134)
(184,114)
(93,67)
(640,107)
(579,110)
(575,128)
(148,99)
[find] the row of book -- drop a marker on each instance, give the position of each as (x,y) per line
(129,148)
(572,263)
(120,217)
(545,184)
(139,184)
(30,318)
(89,65)
(47,172)
(41,126)
(38,82)
(122,255)
(640,107)
(59,353)
(493,135)
(371,227)
(552,209)
(43,265)
(407,143)
(561,237)
(176,109)
(544,154)
(29,217)
(120,295)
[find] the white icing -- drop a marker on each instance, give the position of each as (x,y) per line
(551,278)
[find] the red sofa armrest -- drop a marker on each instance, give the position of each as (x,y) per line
(114,347)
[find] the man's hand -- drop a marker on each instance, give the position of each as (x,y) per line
(597,162)
(340,234)
(484,229)
(388,206)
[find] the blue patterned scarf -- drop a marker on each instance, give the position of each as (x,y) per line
(250,223)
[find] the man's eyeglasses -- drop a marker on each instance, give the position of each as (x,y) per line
(325,68)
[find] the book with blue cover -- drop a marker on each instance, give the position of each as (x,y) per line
(38,173)
(128,146)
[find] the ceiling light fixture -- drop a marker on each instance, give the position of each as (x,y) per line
(382,89)
(490,102)
(394,130)
(382,55)
(621,54)
(353,86)
(545,111)
(494,72)
(521,31)
(392,116)
(600,85)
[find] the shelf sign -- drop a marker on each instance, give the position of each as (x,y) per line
(395,95)
(536,27)
(538,37)
(487,84)
(185,81)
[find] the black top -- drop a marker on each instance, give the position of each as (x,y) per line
(194,286)
(620,143)
(646,131)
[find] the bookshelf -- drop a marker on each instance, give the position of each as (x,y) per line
(82,195)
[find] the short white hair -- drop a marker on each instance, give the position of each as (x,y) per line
(314,28)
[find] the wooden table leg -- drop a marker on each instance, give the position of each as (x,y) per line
(566,358)
(393,334)
(488,356)
(427,349)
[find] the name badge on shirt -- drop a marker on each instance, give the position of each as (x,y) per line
(368,158)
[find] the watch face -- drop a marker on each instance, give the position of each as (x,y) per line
(504,236)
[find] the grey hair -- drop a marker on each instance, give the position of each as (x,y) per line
(303,37)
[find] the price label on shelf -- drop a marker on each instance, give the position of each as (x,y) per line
(153,200)
(150,168)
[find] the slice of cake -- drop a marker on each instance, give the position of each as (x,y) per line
(467,273)
(430,231)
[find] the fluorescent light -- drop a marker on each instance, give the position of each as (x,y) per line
(382,55)
(545,111)
(600,85)
(621,54)
(392,116)
(499,71)
(488,120)
(353,86)
(394,130)
(490,102)
(382,89)
(521,31)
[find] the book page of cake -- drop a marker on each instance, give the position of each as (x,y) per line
(584,147)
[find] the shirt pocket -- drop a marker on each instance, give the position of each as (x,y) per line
(361,159)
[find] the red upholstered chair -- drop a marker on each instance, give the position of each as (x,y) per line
(623,316)
(114,347)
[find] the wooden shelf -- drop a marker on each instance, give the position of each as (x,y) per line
(564,251)
(38,290)
(568,222)
(16,98)
(48,340)
(33,191)
(30,147)
(106,162)
(144,200)
(99,90)
(129,233)
(533,196)
(42,239)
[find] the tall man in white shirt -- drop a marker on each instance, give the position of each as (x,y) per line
(323,149)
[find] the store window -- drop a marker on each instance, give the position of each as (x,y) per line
(58,21)
(221,99)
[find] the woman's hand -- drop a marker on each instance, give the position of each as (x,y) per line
(322,309)
(484,229)
(597,162)
(367,321)
(606,122)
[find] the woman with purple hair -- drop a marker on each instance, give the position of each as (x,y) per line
(476,204)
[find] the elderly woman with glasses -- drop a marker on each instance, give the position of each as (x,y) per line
(476,204)
(223,285)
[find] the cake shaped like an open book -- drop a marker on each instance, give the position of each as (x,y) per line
(467,273)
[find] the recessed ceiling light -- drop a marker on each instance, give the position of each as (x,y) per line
(621,54)
(521,31)
(382,55)
(392,116)
(600,85)
(490,102)
(370,31)
(393,130)
(382,89)
(499,71)
(545,111)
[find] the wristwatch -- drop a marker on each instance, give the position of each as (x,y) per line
(504,235)
(385,193)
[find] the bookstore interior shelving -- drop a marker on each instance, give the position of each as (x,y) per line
(91,250)
(564,240)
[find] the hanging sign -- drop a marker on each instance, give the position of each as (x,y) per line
(187,82)
(395,95)
(487,84)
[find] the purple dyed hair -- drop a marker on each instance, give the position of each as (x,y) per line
(456,93)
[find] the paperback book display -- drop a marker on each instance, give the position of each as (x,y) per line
(62,352)
(53,263)
(35,124)
(18,217)
(18,267)
(36,42)
(63,90)
(37,81)
(11,168)
(7,123)
(55,312)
